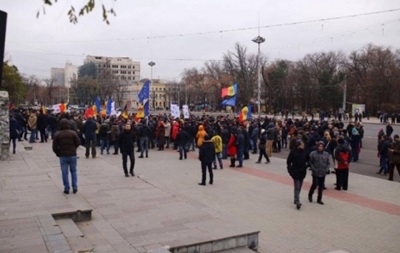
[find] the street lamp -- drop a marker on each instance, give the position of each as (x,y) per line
(258,40)
(151,64)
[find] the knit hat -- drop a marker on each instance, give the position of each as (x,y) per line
(320,143)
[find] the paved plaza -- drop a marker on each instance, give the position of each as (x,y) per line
(164,206)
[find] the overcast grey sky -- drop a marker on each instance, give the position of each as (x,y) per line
(35,45)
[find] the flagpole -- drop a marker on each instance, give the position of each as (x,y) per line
(258,40)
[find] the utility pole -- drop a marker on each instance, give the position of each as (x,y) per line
(344,96)
(258,40)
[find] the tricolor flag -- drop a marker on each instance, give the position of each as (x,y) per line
(245,113)
(229,91)
(63,107)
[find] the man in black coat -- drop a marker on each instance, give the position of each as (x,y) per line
(127,146)
(297,169)
(207,156)
(183,140)
(89,129)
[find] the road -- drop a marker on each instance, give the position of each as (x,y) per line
(368,163)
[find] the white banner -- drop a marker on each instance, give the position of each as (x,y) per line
(56,108)
(175,111)
(185,109)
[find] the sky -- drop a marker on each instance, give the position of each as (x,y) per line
(184,34)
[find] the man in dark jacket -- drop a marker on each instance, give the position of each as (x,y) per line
(144,133)
(240,145)
(297,169)
(394,151)
(65,144)
(207,156)
(183,140)
(126,145)
(225,135)
(89,129)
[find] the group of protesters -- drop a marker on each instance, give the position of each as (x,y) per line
(311,142)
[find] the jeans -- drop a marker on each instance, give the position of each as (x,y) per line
(298,183)
(68,164)
(125,161)
(224,152)
(32,138)
(144,146)
(384,160)
(116,146)
(240,152)
(183,148)
(105,144)
(219,159)
(192,144)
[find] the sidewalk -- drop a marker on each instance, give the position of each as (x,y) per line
(164,203)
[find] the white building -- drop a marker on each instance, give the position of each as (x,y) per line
(70,74)
(57,75)
(64,76)
(123,68)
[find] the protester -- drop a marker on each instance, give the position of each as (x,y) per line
(14,132)
(297,169)
(319,163)
(89,130)
(127,146)
(394,156)
(206,156)
(183,140)
(343,157)
(65,144)
(262,147)
(217,140)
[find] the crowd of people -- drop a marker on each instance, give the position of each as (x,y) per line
(313,144)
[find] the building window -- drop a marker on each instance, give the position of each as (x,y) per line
(115,72)
(114,66)
(129,78)
(133,72)
(133,67)
(133,78)
(129,66)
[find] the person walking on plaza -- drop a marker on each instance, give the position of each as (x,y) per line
(127,147)
(394,151)
(104,134)
(319,163)
(115,136)
(343,157)
(270,138)
(262,146)
(297,169)
(232,149)
(240,145)
(32,126)
(217,140)
(89,129)
(183,140)
(206,157)
(14,132)
(65,144)
(144,134)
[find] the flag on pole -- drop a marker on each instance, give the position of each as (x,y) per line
(229,101)
(140,113)
(229,91)
(144,96)
(63,107)
(109,106)
(113,111)
(245,113)
(97,104)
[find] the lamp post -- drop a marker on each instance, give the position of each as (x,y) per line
(258,40)
(151,64)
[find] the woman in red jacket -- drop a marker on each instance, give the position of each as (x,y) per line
(232,150)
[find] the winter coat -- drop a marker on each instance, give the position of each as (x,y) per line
(297,163)
(183,137)
(231,149)
(32,122)
(200,136)
(14,126)
(89,129)
(207,152)
(217,143)
(126,141)
(175,130)
(319,163)
(42,121)
(167,129)
(395,155)
(66,141)
(114,132)
(342,156)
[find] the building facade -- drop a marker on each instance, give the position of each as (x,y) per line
(123,68)
(58,76)
(70,74)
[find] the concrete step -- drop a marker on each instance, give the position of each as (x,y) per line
(238,250)
(53,236)
(240,241)
(74,236)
